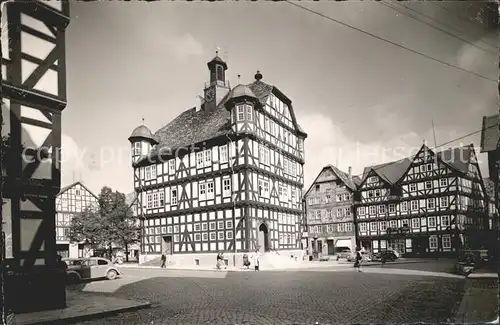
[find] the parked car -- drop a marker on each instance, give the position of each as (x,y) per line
(345,253)
(365,256)
(90,269)
(386,255)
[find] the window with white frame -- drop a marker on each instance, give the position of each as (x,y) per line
(197,227)
(202,191)
(155,200)
(339,213)
(229,234)
(413,187)
(220,225)
(149,200)
(341,227)
(446,241)
(153,172)
(404,206)
(229,224)
(329,228)
(293,196)
(392,208)
(294,168)
(372,209)
(241,113)
(171,166)
(264,188)
(266,123)
(373,226)
(414,205)
(264,154)
(361,211)
(362,227)
(173,196)
(318,215)
(433,242)
(200,162)
(431,203)
(428,185)
(347,197)
(176,228)
(210,190)
(148,173)
(393,223)
(443,182)
(445,221)
(213,236)
(249,113)
(429,167)
(285,165)
(197,237)
(339,197)
(381,208)
(226,187)
(443,202)
(208,158)
(204,226)
(370,194)
(348,227)
(383,225)
(137,148)
(377,193)
(347,212)
(223,154)
(432,222)
(415,223)
(311,201)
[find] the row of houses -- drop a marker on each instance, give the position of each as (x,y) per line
(432,202)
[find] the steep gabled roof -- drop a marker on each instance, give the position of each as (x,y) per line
(263,90)
(457,158)
(67,187)
(351,182)
(390,172)
(192,127)
(490,133)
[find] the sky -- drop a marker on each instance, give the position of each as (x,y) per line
(362,101)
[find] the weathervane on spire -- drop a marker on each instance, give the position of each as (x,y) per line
(217,49)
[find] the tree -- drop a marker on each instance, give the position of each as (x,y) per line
(112,223)
(88,227)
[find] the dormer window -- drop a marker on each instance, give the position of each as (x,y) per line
(241,113)
(249,113)
(137,148)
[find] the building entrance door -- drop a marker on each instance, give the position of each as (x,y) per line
(331,247)
(263,239)
(166,245)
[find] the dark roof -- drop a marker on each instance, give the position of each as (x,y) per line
(195,126)
(142,131)
(457,158)
(490,188)
(351,182)
(67,187)
(490,133)
(217,59)
(391,172)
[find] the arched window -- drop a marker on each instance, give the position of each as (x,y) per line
(220,73)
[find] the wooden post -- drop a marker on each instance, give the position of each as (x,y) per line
(33,176)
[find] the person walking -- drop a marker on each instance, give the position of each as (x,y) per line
(357,262)
(163,261)
(256,260)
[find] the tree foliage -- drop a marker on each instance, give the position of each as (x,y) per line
(113,223)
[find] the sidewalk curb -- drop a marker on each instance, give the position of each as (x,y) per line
(86,317)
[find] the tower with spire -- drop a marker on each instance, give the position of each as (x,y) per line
(217,87)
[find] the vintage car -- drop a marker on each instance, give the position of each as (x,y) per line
(345,253)
(90,269)
(365,256)
(386,256)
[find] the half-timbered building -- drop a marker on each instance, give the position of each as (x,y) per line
(71,200)
(330,214)
(490,135)
(423,204)
(223,176)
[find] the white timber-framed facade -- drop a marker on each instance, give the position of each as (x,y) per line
(72,199)
(330,213)
(225,176)
(424,205)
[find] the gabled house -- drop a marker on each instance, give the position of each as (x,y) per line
(329,212)
(422,204)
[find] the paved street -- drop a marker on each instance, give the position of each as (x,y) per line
(343,296)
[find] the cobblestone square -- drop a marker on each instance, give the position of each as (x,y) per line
(204,297)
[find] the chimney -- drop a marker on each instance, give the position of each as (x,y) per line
(199,105)
(349,170)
